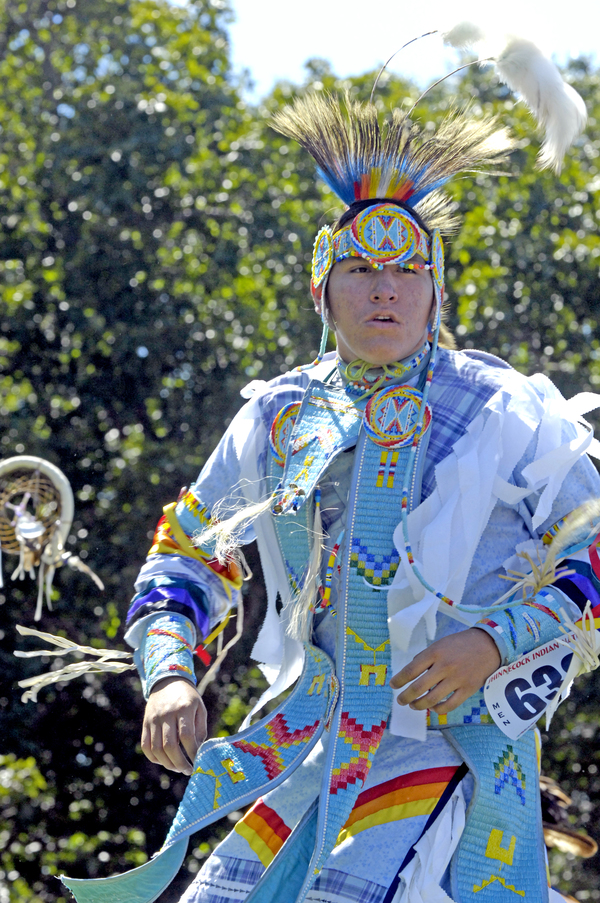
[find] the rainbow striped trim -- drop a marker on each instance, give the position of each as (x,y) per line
(408,796)
(264,831)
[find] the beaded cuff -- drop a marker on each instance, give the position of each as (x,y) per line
(167,650)
(523,626)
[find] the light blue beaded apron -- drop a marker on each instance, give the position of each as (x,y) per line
(370,561)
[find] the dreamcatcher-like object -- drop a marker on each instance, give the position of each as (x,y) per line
(36,513)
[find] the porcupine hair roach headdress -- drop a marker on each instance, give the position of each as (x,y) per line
(362,160)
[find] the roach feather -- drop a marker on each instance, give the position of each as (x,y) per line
(558,108)
(359,157)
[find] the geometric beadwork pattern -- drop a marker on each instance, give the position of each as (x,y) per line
(472,711)
(326,413)
(364,744)
(387,467)
(192,514)
(363,709)
(535,623)
(168,649)
(365,698)
(379,570)
(501,880)
(227,777)
(392,416)
(196,508)
(384,233)
(281,431)
(322,256)
(437,257)
(500,855)
(280,738)
(261,756)
(507,770)
(479,715)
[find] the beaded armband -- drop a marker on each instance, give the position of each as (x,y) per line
(521,627)
(167,650)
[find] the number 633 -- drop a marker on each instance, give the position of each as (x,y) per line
(524,701)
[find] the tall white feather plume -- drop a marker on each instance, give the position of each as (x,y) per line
(557,107)
(521,65)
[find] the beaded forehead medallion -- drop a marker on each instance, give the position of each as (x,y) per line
(384,233)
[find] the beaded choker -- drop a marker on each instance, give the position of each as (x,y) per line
(363,379)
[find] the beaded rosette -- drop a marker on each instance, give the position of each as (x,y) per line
(392,417)
(281,431)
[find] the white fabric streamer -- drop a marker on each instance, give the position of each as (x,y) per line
(446,528)
(421,877)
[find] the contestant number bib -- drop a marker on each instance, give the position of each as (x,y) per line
(517,695)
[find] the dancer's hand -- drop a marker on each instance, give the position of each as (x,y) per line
(175,718)
(455,666)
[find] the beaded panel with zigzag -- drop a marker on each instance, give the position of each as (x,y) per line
(363,643)
(228,775)
(500,851)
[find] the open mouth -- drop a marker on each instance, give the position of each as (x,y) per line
(382,318)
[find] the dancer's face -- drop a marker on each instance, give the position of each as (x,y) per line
(379,316)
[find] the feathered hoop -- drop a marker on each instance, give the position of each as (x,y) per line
(36,513)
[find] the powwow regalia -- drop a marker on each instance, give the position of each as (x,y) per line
(387,503)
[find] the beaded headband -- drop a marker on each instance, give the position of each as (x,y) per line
(381,234)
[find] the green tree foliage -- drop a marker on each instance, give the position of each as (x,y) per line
(155,245)
(127,201)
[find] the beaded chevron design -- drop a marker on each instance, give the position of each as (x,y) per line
(232,772)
